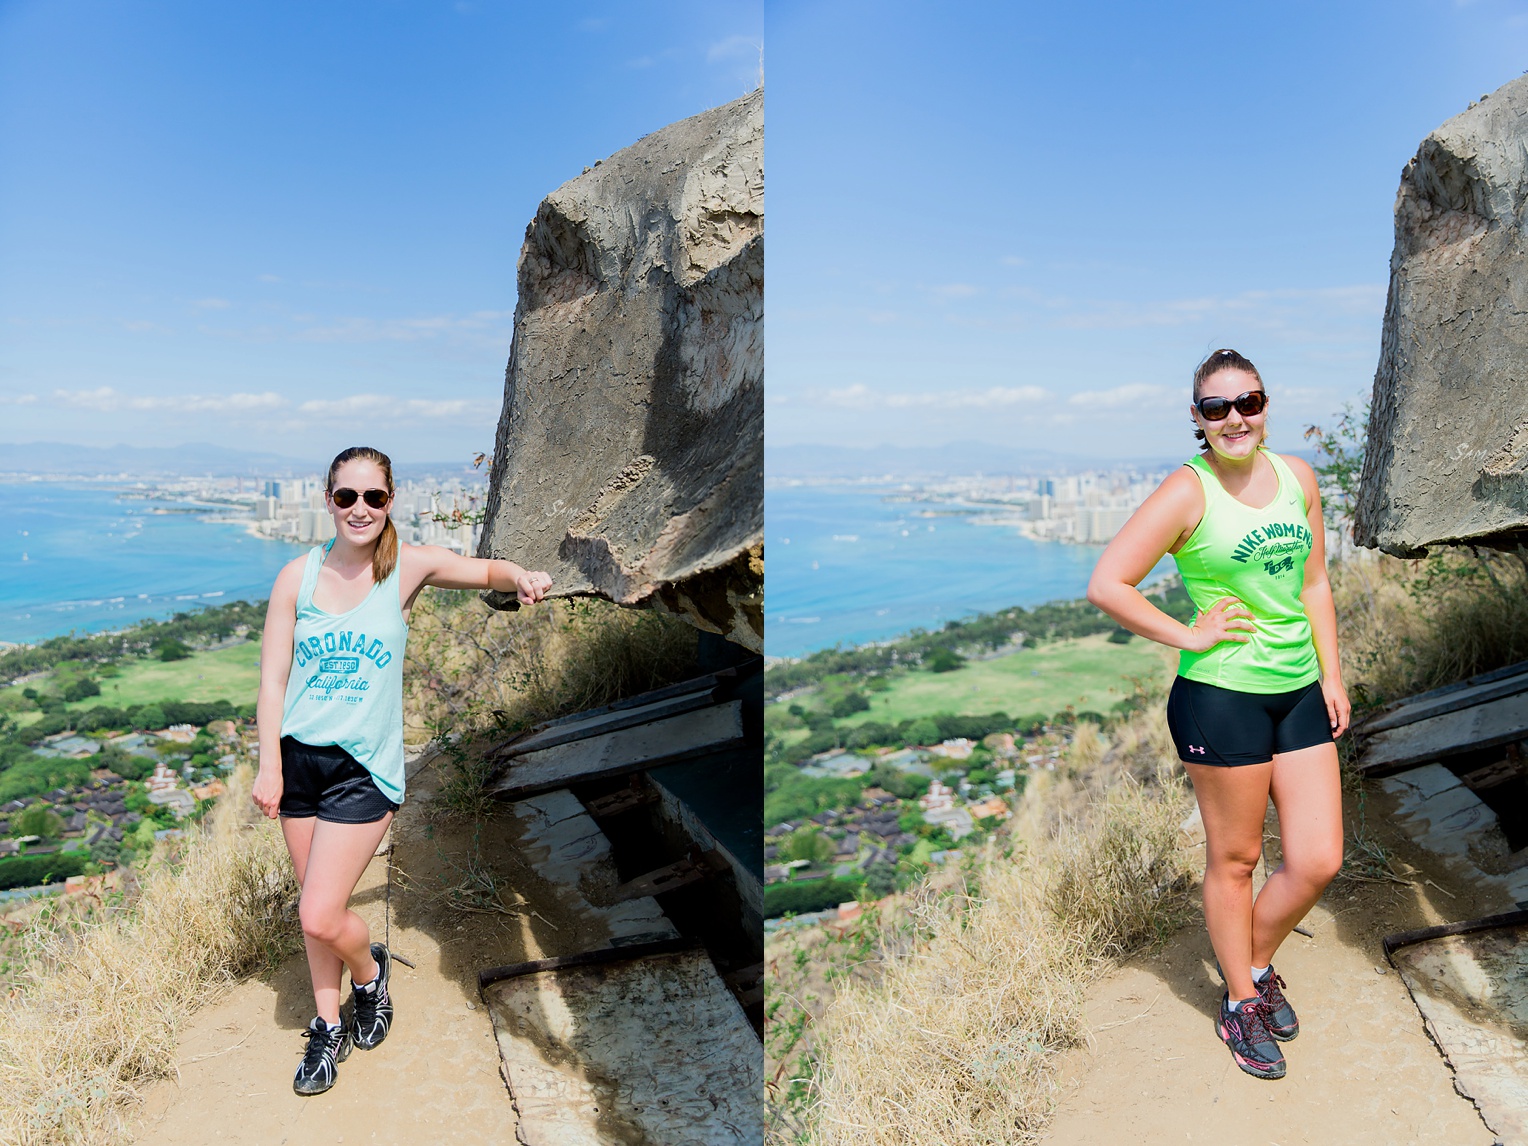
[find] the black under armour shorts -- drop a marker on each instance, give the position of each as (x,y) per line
(328,782)
(1214,725)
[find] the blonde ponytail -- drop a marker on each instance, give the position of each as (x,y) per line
(385,556)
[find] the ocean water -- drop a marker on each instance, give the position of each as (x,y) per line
(75,556)
(845,566)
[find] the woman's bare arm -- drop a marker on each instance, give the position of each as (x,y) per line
(1168,516)
(1316,596)
(434,565)
(275,667)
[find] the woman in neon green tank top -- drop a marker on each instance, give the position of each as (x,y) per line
(1259,697)
(331,731)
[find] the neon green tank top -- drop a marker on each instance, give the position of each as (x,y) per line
(1258,557)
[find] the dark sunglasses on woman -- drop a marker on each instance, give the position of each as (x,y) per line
(377,498)
(1251,403)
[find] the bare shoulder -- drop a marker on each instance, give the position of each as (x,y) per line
(1304,474)
(1300,467)
(1180,491)
(289,580)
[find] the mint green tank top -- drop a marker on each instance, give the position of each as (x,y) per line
(346,683)
(1257,556)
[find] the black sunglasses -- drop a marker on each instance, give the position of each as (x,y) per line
(1216,409)
(345,498)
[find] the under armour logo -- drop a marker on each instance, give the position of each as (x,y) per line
(1196,748)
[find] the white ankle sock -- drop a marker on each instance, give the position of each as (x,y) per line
(1236,1004)
(1260,973)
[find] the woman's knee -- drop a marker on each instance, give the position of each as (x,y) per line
(1317,869)
(1232,862)
(321,921)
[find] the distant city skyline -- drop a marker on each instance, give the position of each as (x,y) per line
(294,228)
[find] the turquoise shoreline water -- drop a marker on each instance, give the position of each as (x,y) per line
(74,556)
(846,566)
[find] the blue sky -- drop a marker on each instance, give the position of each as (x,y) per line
(1025,224)
(283,226)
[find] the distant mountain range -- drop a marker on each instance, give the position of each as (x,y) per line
(195,459)
(954,458)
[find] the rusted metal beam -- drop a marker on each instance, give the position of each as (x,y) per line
(491,975)
(1393,943)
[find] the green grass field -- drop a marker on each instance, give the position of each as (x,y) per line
(231,674)
(1088,673)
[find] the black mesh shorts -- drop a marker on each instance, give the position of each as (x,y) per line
(330,783)
(1213,725)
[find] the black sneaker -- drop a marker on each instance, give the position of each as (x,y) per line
(1245,1030)
(372,1008)
(320,1062)
(1282,1023)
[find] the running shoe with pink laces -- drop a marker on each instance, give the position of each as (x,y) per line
(1282,1023)
(1244,1029)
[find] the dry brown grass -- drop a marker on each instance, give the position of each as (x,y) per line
(471,664)
(475,671)
(952,1037)
(1408,626)
(95,1008)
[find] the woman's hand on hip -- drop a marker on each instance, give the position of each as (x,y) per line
(1226,620)
(267,791)
(1338,709)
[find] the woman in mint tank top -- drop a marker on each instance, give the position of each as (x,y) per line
(331,732)
(1258,698)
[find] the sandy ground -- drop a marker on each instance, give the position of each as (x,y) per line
(436,1078)
(1362,1070)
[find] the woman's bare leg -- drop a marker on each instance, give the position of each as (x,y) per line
(1233,803)
(1307,791)
(329,859)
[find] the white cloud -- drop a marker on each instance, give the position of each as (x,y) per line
(1122,395)
(956,290)
(388,408)
(211,304)
(267,278)
(408,329)
(1265,309)
(105,398)
(18,399)
(862,397)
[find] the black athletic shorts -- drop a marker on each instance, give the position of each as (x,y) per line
(329,783)
(1213,725)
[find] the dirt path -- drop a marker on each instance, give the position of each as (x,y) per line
(436,1078)
(1361,1072)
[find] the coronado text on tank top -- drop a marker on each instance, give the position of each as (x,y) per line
(1258,557)
(346,682)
